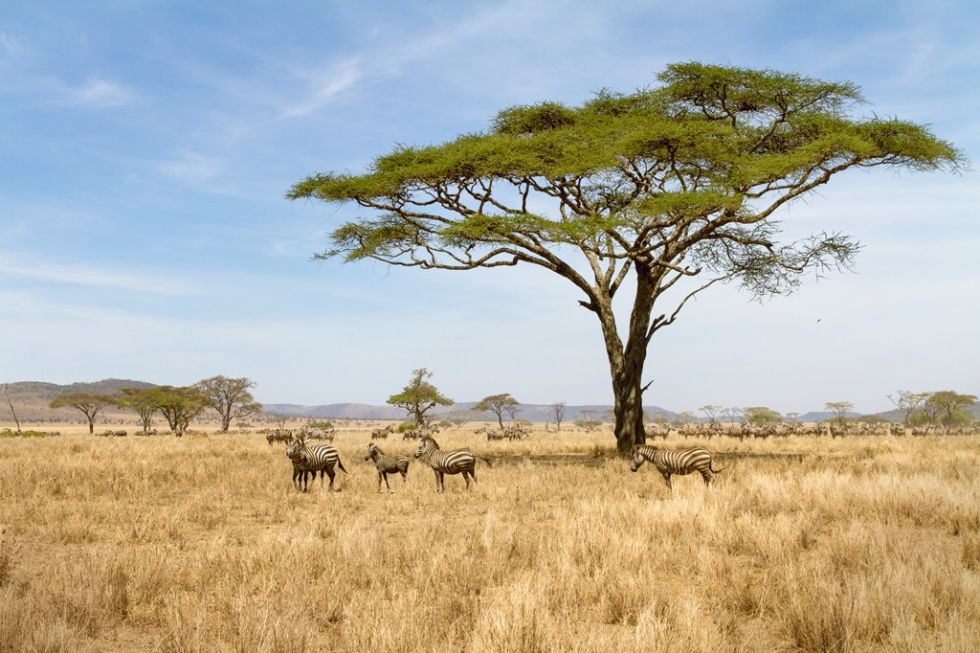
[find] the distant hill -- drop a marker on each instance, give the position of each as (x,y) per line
(31,398)
(461,410)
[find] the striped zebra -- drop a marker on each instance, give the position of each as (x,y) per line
(387,464)
(316,458)
(457,461)
(382,433)
(676,461)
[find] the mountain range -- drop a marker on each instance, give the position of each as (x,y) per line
(31,399)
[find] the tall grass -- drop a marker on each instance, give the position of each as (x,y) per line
(202,544)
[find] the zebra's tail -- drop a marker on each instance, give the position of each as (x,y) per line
(486,460)
(711,466)
(341,465)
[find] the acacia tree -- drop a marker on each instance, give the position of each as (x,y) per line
(419,396)
(178,406)
(711,412)
(230,398)
(558,412)
(142,401)
(497,404)
(90,404)
(949,407)
(840,409)
(907,402)
(760,415)
(664,192)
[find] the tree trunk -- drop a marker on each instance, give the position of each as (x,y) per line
(91,425)
(500,420)
(626,362)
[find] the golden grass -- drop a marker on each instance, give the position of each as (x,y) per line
(202,544)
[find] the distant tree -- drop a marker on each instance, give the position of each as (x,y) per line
(661,193)
(558,412)
(907,402)
(949,408)
(497,404)
(89,403)
(141,400)
(760,415)
(661,418)
(711,411)
(588,425)
(792,416)
(419,396)
(178,406)
(230,398)
(734,414)
(11,404)
(840,409)
(685,417)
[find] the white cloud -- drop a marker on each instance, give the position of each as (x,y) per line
(100,93)
(190,167)
(325,88)
(85,275)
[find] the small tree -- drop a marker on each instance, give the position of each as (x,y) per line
(230,398)
(497,404)
(419,396)
(907,402)
(558,412)
(11,404)
(792,416)
(734,415)
(949,408)
(142,401)
(760,415)
(89,403)
(685,417)
(178,406)
(711,411)
(840,410)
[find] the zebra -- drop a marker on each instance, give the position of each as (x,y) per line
(317,458)
(448,462)
(676,461)
(387,464)
(382,433)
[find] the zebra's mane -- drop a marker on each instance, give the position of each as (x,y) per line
(431,439)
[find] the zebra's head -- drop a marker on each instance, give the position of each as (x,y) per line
(294,449)
(372,451)
(637,460)
(428,444)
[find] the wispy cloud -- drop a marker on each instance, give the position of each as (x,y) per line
(324,89)
(191,167)
(9,44)
(85,275)
(100,93)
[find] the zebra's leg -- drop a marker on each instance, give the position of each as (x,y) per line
(466,477)
(385,475)
(330,474)
(473,474)
(666,476)
(708,477)
(379,481)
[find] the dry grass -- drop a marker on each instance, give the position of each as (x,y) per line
(202,544)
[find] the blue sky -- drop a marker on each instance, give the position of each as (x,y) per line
(145,148)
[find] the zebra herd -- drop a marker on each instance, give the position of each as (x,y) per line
(309,459)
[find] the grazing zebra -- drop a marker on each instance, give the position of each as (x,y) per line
(387,464)
(676,461)
(316,458)
(448,462)
(279,435)
(382,433)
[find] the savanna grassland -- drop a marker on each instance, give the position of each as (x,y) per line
(203,544)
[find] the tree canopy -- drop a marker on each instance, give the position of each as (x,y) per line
(674,187)
(419,396)
(229,397)
(497,404)
(90,404)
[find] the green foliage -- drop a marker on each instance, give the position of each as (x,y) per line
(90,404)
(229,397)
(178,405)
(760,415)
(325,425)
(949,408)
(419,396)
(406,426)
(498,405)
(7,433)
